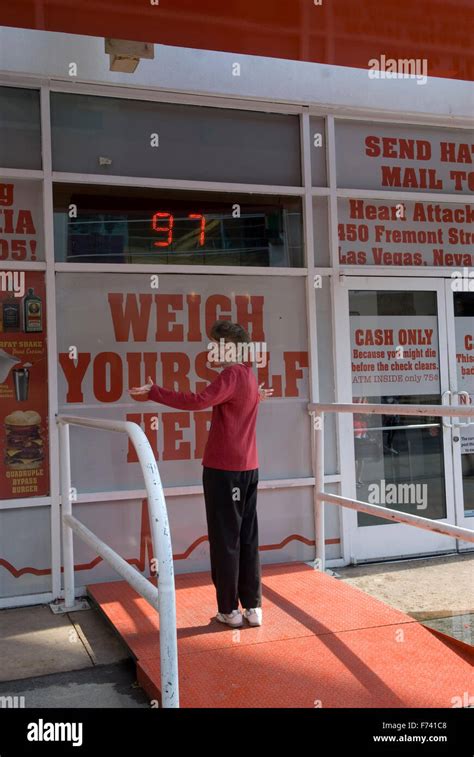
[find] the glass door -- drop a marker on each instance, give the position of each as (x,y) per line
(395,351)
(460,328)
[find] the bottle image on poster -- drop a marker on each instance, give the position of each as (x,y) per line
(33,312)
(24,465)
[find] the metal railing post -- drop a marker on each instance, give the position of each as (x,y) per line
(161,598)
(318,429)
(66,509)
(163,551)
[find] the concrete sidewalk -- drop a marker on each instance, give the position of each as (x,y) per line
(72,660)
(101,686)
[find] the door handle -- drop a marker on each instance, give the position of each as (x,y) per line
(468,402)
(448,393)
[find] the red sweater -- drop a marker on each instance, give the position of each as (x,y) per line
(233,396)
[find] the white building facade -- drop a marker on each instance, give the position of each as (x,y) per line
(329,213)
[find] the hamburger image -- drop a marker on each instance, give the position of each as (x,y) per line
(24,445)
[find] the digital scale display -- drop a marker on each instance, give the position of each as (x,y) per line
(168,220)
(131,225)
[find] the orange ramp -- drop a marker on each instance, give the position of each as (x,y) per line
(323,643)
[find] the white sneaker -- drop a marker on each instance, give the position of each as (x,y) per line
(254,616)
(233,618)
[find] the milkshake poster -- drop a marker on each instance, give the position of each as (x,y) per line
(23,386)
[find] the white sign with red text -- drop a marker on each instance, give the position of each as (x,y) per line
(115,330)
(398,157)
(464,327)
(21,221)
(409,233)
(394,355)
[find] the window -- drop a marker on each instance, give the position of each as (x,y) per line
(20,130)
(132,225)
(162,140)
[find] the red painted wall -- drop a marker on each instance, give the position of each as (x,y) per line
(341,32)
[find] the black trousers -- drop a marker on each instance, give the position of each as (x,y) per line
(231,512)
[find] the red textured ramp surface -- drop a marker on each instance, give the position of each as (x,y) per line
(322,641)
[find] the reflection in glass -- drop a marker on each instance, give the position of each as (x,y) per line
(134,225)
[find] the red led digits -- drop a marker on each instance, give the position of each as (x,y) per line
(202,234)
(168,229)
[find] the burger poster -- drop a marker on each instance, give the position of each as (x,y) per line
(23,386)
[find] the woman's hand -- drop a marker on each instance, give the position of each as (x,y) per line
(138,391)
(264,393)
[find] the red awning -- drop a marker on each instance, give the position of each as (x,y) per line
(340,32)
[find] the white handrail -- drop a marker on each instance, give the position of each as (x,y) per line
(316,411)
(163,598)
(452,411)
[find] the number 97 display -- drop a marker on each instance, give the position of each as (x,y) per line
(164,223)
